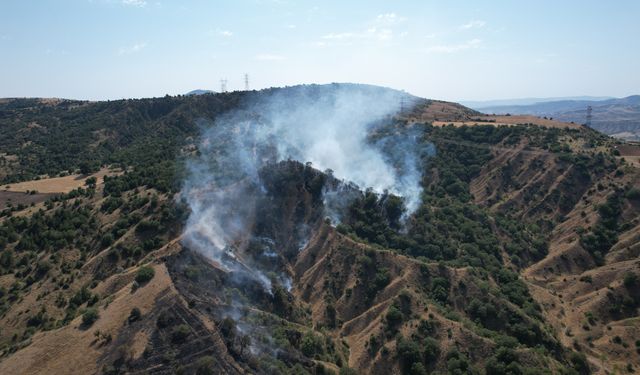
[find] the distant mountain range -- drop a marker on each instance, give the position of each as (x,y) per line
(618,117)
(476,104)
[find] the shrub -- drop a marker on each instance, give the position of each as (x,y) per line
(418,369)
(205,365)
(134,315)
(347,371)
(89,317)
(617,340)
(586,279)
(106,240)
(180,333)
(147,226)
(331,315)
(228,328)
(381,279)
(394,317)
(42,268)
(192,273)
(633,193)
(579,363)
(630,280)
(164,320)
(80,297)
(145,273)
(88,167)
(408,351)
(310,344)
(91,181)
(431,349)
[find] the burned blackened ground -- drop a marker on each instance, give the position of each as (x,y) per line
(179,338)
(292,206)
(255,324)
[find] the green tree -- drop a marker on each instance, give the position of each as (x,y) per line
(145,274)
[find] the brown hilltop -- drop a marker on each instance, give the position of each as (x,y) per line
(442,113)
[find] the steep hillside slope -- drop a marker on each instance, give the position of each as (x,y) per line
(587,281)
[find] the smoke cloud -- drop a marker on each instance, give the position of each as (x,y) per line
(335,127)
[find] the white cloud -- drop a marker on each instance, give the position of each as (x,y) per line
(220,33)
(135,3)
(474,24)
(389,19)
(382,34)
(341,36)
(373,33)
(132,49)
(269,57)
(290,26)
(380,29)
(452,48)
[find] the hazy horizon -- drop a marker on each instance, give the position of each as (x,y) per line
(469,103)
(459,51)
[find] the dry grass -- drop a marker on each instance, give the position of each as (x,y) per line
(59,185)
(629,149)
(73,350)
(630,153)
(509,121)
(17,198)
(558,283)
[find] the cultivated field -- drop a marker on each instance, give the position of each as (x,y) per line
(58,185)
(36,191)
(630,153)
(510,121)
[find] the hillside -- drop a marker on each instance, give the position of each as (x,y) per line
(617,117)
(193,235)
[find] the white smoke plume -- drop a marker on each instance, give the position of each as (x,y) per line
(333,127)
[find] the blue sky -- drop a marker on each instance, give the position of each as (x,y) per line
(452,50)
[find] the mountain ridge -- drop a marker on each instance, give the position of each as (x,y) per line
(479,104)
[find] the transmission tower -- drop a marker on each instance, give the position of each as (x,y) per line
(223,85)
(246,82)
(401,104)
(589,116)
